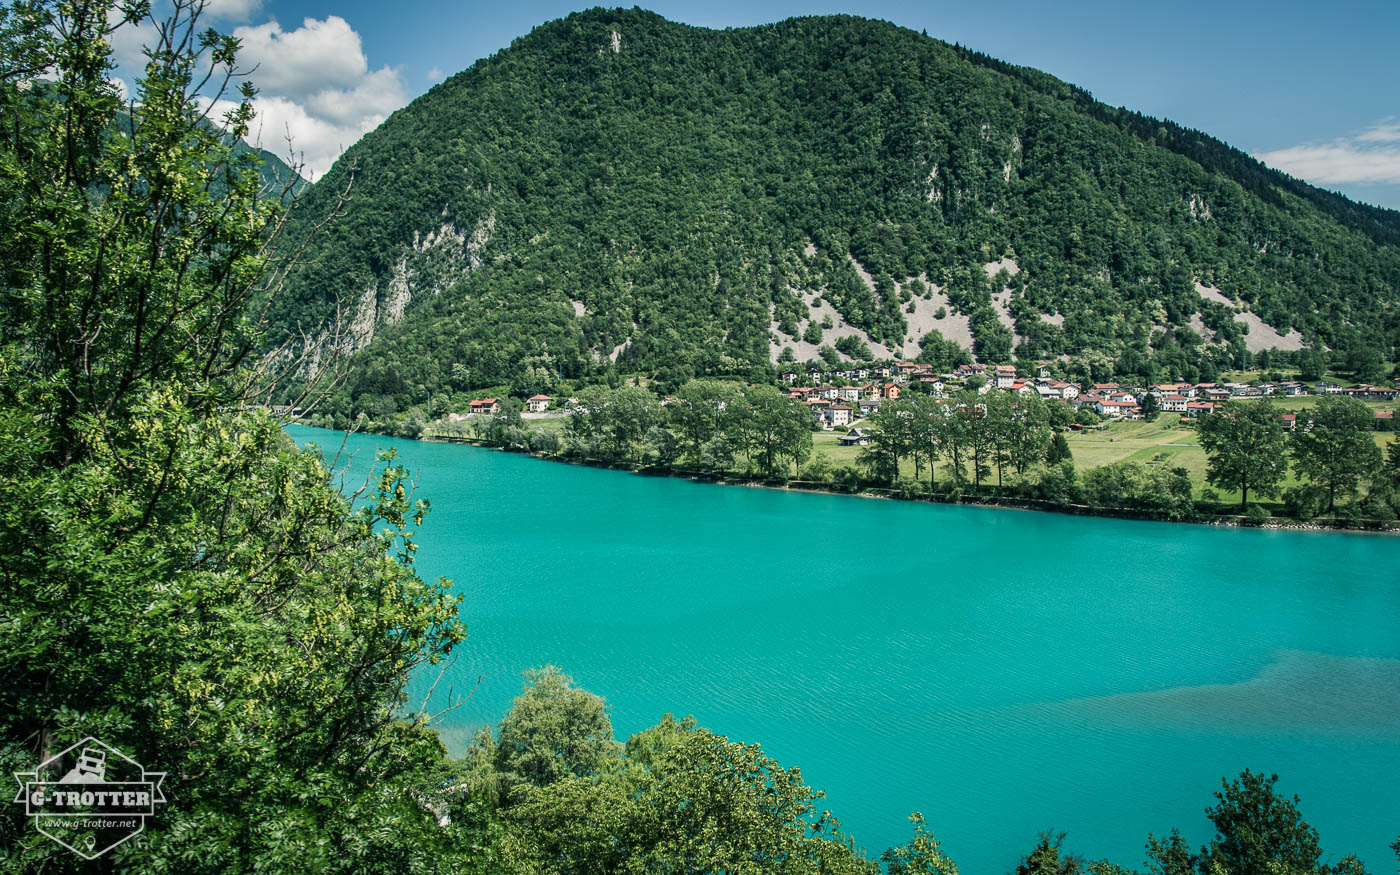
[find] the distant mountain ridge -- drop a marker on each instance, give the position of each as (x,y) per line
(619,192)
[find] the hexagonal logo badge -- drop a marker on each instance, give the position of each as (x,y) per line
(90,797)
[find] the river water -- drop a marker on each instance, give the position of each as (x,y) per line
(1003,672)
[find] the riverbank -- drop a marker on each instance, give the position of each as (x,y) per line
(955,496)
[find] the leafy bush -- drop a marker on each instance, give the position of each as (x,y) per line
(1304,501)
(1256,515)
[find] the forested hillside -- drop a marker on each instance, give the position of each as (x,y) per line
(616,192)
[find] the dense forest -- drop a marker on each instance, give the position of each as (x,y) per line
(619,193)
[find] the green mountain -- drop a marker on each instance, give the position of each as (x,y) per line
(616,192)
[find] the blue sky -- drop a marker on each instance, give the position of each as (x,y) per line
(1312,87)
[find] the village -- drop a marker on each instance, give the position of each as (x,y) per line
(867,387)
(864,388)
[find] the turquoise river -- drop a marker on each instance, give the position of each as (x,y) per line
(1002,672)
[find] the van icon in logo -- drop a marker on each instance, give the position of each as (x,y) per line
(90,797)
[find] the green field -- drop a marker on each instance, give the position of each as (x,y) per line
(1169,443)
(1162,442)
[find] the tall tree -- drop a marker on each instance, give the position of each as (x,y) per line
(1335,448)
(1257,831)
(1046,859)
(778,430)
(553,730)
(1058,450)
(702,409)
(891,439)
(1245,447)
(191,589)
(921,856)
(1149,406)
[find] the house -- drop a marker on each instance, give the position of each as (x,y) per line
(889,391)
(1217,394)
(788,377)
(1200,408)
(868,406)
(855,438)
(485,405)
(1173,403)
(1005,376)
(1057,389)
(830,393)
(1371,393)
(1117,409)
(1385,420)
(537,403)
(1290,421)
(839,414)
(849,393)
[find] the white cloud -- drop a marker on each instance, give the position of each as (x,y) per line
(375,94)
(1387,131)
(129,43)
(232,10)
(435,74)
(316,86)
(314,57)
(325,124)
(314,82)
(1371,157)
